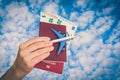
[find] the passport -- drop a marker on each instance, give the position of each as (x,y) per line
(53,63)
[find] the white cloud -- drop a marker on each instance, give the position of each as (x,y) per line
(96,74)
(72,62)
(115,34)
(80,3)
(88,63)
(51,7)
(108,63)
(35,3)
(74,16)
(90,50)
(83,38)
(101,25)
(106,26)
(108,10)
(2,52)
(76,73)
(86,18)
(17,16)
(2,12)
(83,19)
(95,57)
(116,50)
(64,14)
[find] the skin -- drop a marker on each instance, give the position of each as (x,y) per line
(30,53)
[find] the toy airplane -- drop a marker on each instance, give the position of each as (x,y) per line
(62,39)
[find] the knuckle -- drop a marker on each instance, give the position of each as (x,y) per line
(21,53)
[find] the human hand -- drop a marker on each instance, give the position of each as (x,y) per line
(30,53)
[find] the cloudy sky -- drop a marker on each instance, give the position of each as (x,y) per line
(94,55)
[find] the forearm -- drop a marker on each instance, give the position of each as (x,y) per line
(12,74)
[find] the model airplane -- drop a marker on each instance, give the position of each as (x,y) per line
(62,39)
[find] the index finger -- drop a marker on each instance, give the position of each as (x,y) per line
(33,40)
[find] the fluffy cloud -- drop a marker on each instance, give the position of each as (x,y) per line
(80,3)
(89,51)
(34,2)
(96,56)
(51,7)
(82,20)
(18,18)
(115,34)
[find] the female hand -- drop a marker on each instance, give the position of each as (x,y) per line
(30,53)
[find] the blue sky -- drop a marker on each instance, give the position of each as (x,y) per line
(94,55)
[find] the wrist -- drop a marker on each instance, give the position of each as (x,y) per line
(12,74)
(18,74)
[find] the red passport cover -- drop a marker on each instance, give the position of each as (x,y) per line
(45,30)
(56,67)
